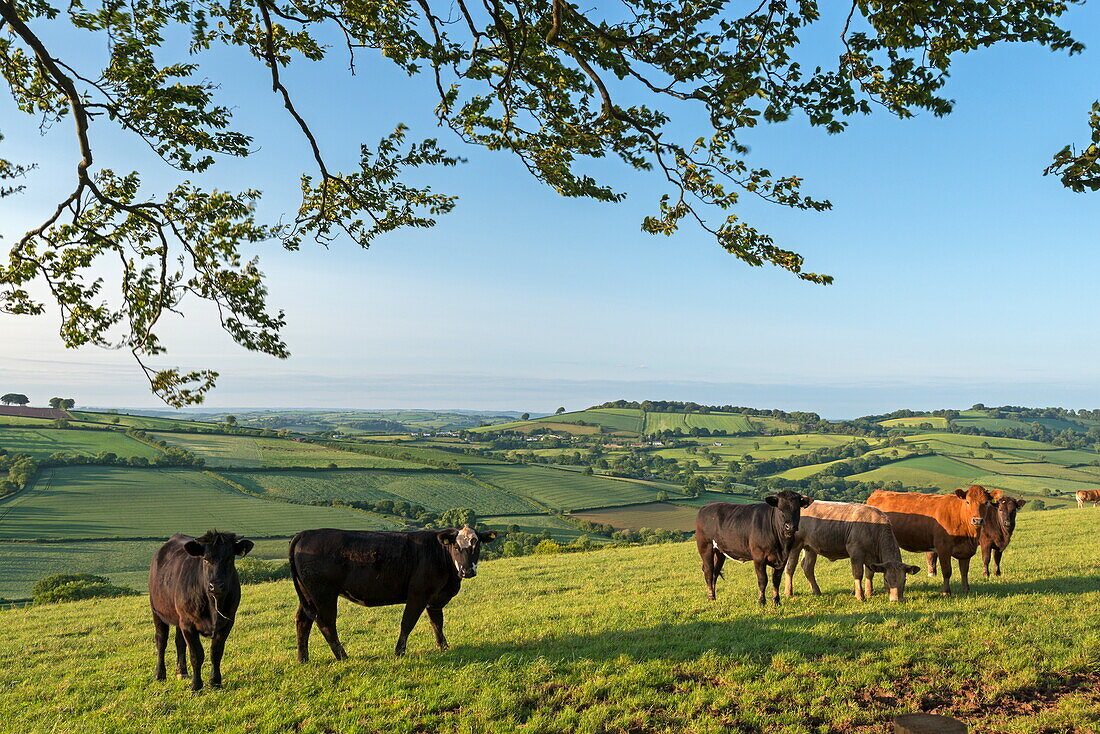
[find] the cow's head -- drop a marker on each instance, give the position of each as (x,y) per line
(218,551)
(464,547)
(978,501)
(789,506)
(895,572)
(1007,507)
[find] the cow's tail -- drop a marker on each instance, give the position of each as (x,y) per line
(304,601)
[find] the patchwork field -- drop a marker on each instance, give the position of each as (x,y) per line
(436,491)
(559,530)
(108,502)
(1033,487)
(40,443)
(934,421)
(563,490)
(247,451)
(923,471)
(148,423)
(653,515)
(615,641)
(725,422)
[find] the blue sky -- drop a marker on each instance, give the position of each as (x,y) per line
(962,274)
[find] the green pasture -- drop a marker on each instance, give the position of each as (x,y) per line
(110,502)
(249,451)
(40,443)
(922,471)
(436,491)
(616,419)
(147,423)
(559,530)
(1066,457)
(727,422)
(125,562)
(651,515)
(915,422)
(975,442)
(709,496)
(610,642)
(22,420)
(1032,469)
(420,454)
(563,490)
(1034,486)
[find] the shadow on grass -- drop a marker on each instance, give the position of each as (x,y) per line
(754,638)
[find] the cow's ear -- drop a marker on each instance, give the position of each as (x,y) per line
(806,501)
(960,493)
(772,500)
(194,548)
(879,567)
(996,494)
(243,547)
(448,536)
(912,570)
(487,536)
(1020,503)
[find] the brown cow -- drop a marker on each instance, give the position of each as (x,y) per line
(1087,495)
(996,534)
(854,531)
(947,524)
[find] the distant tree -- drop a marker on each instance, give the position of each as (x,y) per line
(588,471)
(662,496)
(67,403)
(55,403)
(14,398)
(559,411)
(1038,505)
(525,417)
(457,517)
(231,420)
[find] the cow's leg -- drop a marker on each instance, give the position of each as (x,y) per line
(181,655)
(777,573)
(986,551)
(160,637)
(964,574)
(217,648)
(930,557)
(761,581)
(326,622)
(435,616)
(945,570)
(809,565)
(997,561)
(857,576)
(868,581)
(708,553)
(194,646)
(788,571)
(413,610)
(303,623)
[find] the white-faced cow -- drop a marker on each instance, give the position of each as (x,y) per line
(849,530)
(421,569)
(760,532)
(193,585)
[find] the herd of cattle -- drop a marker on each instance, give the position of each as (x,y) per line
(194,587)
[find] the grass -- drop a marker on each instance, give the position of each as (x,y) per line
(559,530)
(915,422)
(147,423)
(1034,486)
(40,443)
(651,515)
(922,471)
(22,420)
(615,641)
(727,422)
(616,419)
(564,490)
(426,454)
(125,562)
(436,491)
(247,451)
(108,502)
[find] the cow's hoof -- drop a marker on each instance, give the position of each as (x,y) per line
(182,675)
(196,686)
(159,676)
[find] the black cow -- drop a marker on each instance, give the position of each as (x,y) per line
(761,533)
(193,585)
(421,569)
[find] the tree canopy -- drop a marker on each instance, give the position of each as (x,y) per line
(557,85)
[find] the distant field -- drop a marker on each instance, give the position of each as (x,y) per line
(617,419)
(559,530)
(1035,469)
(110,502)
(975,442)
(727,422)
(123,561)
(922,471)
(139,421)
(1033,486)
(1066,457)
(563,490)
(436,491)
(247,451)
(19,420)
(710,496)
(425,454)
(652,515)
(40,443)
(915,422)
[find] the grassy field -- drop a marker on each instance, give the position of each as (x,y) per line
(652,515)
(615,419)
(423,453)
(436,491)
(562,490)
(610,642)
(108,502)
(246,451)
(727,422)
(40,443)
(148,423)
(915,422)
(125,562)
(22,420)
(923,471)
(559,530)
